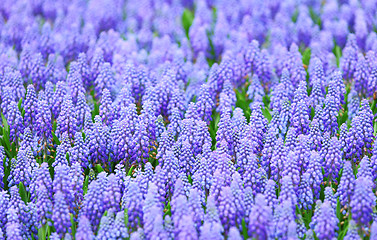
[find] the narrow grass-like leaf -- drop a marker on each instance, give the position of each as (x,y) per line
(23,193)
(99,168)
(244,229)
(73,225)
(42,232)
(306,56)
(86,182)
(267,114)
(187,18)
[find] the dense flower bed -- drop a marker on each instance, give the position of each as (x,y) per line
(194,119)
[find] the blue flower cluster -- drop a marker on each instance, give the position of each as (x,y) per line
(192,119)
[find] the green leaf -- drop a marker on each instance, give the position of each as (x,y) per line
(6,165)
(338,53)
(54,126)
(14,149)
(130,171)
(73,225)
(267,114)
(189,179)
(5,132)
(55,139)
(23,193)
(242,101)
(316,19)
(42,232)
(338,213)
(306,56)
(312,112)
(168,210)
(213,126)
(9,153)
(20,105)
(86,182)
(96,110)
(99,168)
(7,144)
(67,157)
(126,216)
(5,123)
(266,100)
(187,18)
(244,229)
(343,233)
(294,16)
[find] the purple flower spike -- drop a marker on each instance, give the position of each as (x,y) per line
(260,218)
(227,208)
(132,201)
(300,118)
(346,185)
(315,172)
(60,215)
(349,58)
(363,201)
(94,197)
(84,230)
(361,76)
(327,222)
(352,233)
(333,160)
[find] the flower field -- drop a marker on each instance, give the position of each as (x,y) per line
(188,119)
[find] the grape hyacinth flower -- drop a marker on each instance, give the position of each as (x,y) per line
(346,185)
(66,122)
(255,92)
(349,58)
(14,120)
(132,201)
(277,160)
(361,75)
(352,233)
(84,230)
(44,204)
(30,106)
(315,172)
(94,197)
(205,104)
(227,208)
(300,118)
(305,193)
(60,214)
(333,160)
(365,169)
(283,215)
(362,201)
(167,121)
(291,169)
(327,222)
(260,218)
(43,126)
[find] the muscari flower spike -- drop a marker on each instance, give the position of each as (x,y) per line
(352,233)
(60,215)
(362,201)
(94,197)
(283,215)
(315,172)
(327,222)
